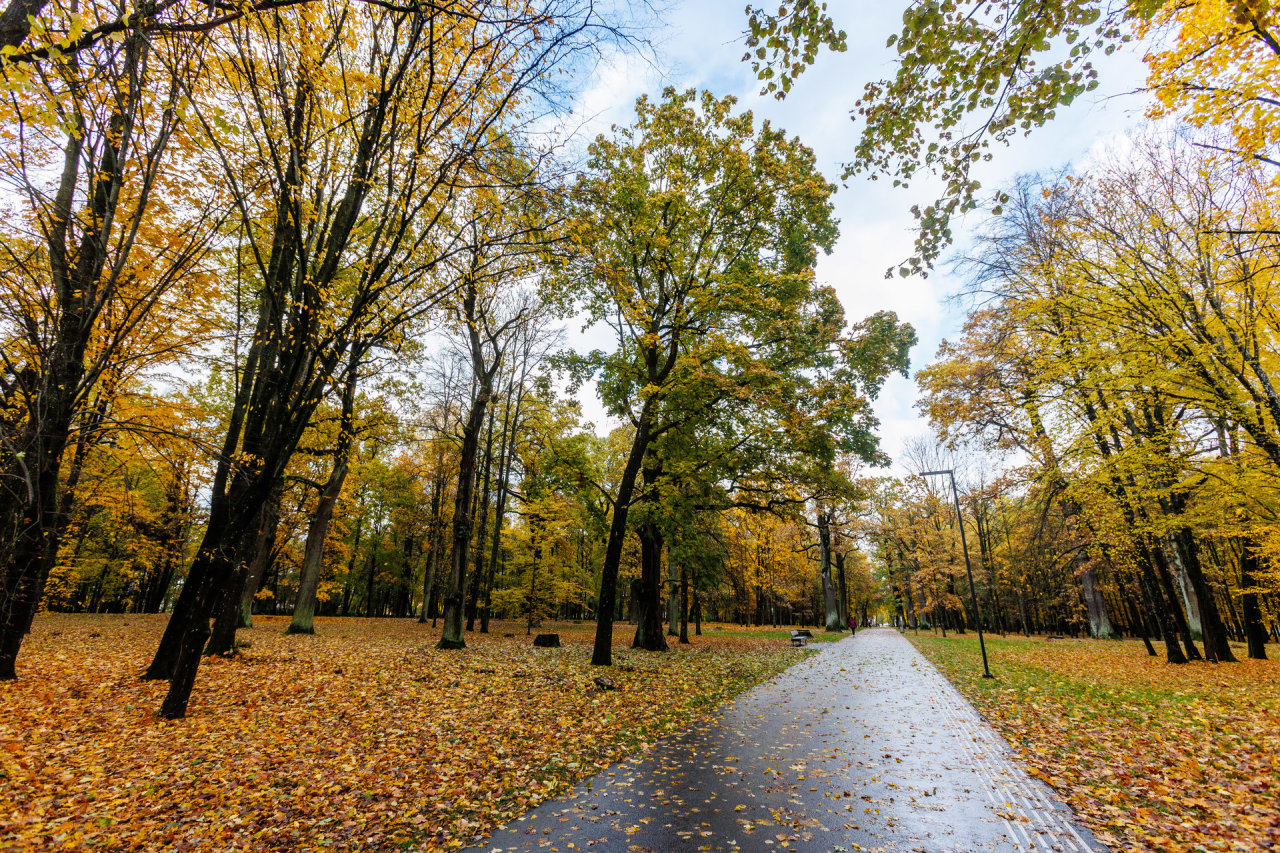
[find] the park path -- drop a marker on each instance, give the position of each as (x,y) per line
(864,746)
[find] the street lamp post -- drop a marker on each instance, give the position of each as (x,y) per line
(964,546)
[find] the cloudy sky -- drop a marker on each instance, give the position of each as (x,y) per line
(699,45)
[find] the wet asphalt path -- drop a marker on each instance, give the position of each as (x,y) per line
(864,746)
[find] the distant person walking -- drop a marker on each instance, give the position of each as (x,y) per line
(853,625)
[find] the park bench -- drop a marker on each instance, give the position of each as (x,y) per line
(799,638)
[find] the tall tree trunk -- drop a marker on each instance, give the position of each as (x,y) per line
(1096,605)
(1216,643)
(233,510)
(433,547)
(181,646)
(348,585)
(831,612)
(184,661)
(531,600)
(986,556)
(633,602)
(226,612)
(673,598)
(452,636)
(997,605)
(429,578)
(911,605)
(684,603)
(404,594)
(1140,621)
(174,527)
(1255,632)
(842,603)
(478,576)
(961,619)
(1165,579)
(1160,616)
(649,634)
(54,389)
(507,449)
(602,651)
(486,606)
(1186,592)
(371,575)
(23,576)
(304,609)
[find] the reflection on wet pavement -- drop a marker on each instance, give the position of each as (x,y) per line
(864,746)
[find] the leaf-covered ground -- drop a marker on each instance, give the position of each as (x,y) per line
(1152,756)
(361,737)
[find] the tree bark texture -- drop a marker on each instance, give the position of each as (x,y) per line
(602,651)
(56,389)
(1096,605)
(304,609)
(831,611)
(649,628)
(1255,632)
(452,636)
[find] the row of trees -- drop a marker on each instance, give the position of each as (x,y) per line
(281,284)
(1119,350)
(1120,346)
(385,546)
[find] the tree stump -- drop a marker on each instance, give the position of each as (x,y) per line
(546,641)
